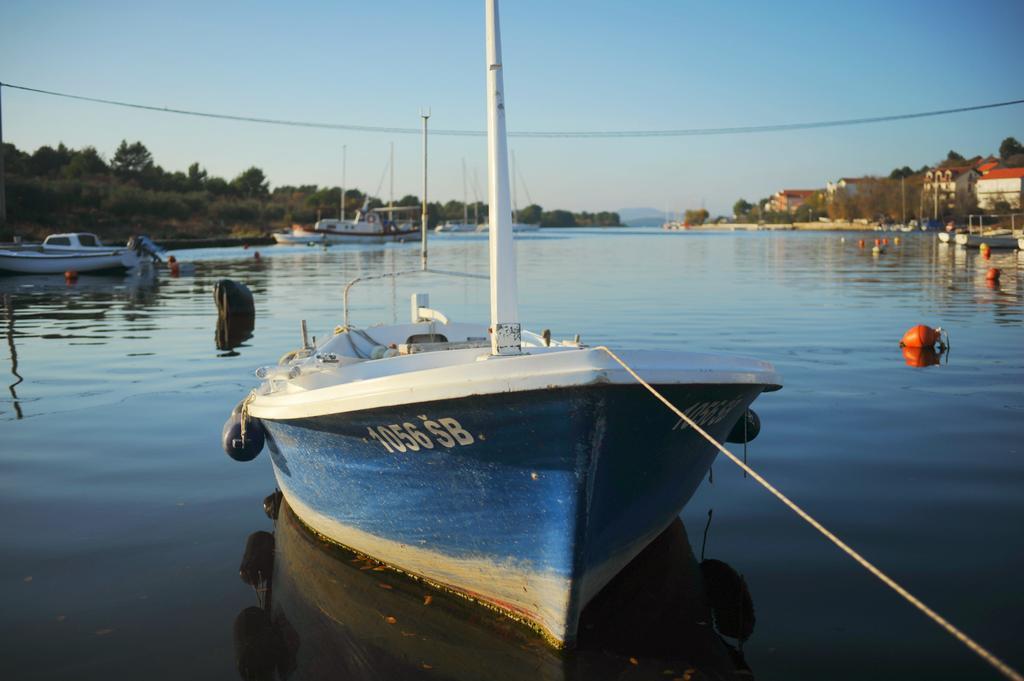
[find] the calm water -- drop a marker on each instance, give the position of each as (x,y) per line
(124,524)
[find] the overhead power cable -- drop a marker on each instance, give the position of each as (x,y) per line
(569,134)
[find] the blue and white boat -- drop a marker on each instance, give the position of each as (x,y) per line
(484,459)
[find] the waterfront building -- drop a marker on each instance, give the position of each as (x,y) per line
(788,200)
(846,184)
(1001,185)
(948,186)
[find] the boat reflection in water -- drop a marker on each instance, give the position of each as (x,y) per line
(325,612)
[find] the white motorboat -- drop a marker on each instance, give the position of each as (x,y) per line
(452,226)
(73,252)
(516,227)
(299,235)
(520,472)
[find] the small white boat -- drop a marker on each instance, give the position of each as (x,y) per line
(75,252)
(451,226)
(299,235)
(516,227)
(996,238)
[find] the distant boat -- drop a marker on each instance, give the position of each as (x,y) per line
(299,235)
(518,471)
(368,227)
(73,251)
(450,226)
(516,227)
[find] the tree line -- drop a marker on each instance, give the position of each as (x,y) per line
(64,189)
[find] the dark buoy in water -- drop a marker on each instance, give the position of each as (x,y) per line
(236,314)
(257,646)
(729,598)
(233,299)
(257,566)
(746,429)
(237,447)
(272,504)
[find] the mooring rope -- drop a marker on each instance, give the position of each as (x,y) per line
(978,649)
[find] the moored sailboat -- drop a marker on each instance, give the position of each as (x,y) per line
(517,471)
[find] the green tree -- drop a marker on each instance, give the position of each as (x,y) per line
(531,214)
(196,177)
(742,208)
(47,161)
(1010,147)
(558,218)
(695,217)
(85,162)
(954,157)
(131,159)
(252,183)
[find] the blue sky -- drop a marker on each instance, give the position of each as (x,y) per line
(569,65)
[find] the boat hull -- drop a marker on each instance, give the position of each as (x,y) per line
(58,263)
(528,502)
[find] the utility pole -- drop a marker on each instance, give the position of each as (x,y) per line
(903,198)
(3,185)
(423,214)
(341,206)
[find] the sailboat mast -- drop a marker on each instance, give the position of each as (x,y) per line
(341,201)
(423,213)
(391,185)
(465,195)
(506,336)
(515,184)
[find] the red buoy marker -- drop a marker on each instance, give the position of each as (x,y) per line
(920,336)
(993,274)
(71,276)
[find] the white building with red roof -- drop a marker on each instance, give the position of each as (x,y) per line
(788,200)
(1001,185)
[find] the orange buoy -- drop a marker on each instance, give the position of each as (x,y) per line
(70,276)
(920,357)
(878,242)
(920,336)
(256,255)
(171,259)
(885,241)
(993,274)
(175,269)
(861,243)
(987,255)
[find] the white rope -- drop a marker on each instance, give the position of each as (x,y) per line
(984,654)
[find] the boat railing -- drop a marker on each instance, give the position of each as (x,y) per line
(395,275)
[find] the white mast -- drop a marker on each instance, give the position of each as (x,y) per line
(423,215)
(515,185)
(341,202)
(465,195)
(391,186)
(506,337)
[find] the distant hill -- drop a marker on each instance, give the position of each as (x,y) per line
(641,217)
(655,221)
